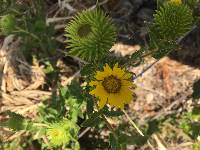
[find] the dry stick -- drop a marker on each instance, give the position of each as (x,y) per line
(84,131)
(134,125)
(146,69)
(41,125)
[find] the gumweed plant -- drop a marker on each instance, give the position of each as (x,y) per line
(109,85)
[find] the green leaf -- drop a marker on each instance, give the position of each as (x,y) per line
(114,143)
(17,122)
(90,105)
(87,70)
(76,90)
(48,68)
(7,24)
(196,90)
(137,57)
(112,113)
(93,120)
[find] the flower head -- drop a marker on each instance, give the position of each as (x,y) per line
(7,23)
(58,135)
(112,86)
(176,1)
(90,35)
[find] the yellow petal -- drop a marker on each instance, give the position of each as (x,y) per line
(126,95)
(102,102)
(107,70)
(118,72)
(100,75)
(99,92)
(92,83)
(114,100)
(93,92)
(126,83)
(115,66)
(127,76)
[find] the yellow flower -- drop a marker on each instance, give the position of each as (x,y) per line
(112,86)
(176,1)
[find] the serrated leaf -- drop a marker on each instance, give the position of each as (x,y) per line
(113,113)
(75,90)
(93,120)
(17,122)
(137,54)
(90,105)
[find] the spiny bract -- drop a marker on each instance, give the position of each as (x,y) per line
(172,20)
(61,133)
(7,24)
(90,35)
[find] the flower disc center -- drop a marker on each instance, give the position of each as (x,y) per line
(111,84)
(55,132)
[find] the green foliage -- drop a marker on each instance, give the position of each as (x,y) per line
(196,146)
(90,35)
(172,21)
(93,120)
(162,48)
(61,133)
(5,6)
(191,3)
(190,123)
(7,24)
(112,113)
(17,122)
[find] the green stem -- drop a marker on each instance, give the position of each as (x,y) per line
(41,125)
(147,54)
(133,124)
(29,33)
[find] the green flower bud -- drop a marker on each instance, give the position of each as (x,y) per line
(7,24)
(90,35)
(172,21)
